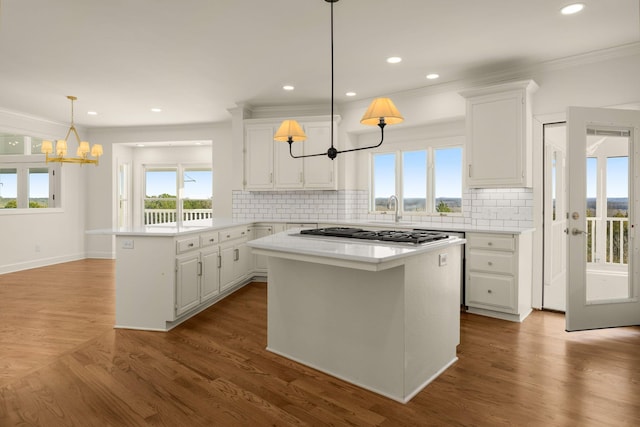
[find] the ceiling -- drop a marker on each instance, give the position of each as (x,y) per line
(195,59)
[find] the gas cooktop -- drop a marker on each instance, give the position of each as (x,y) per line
(415,236)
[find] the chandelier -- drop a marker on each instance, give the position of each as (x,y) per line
(82,152)
(381,112)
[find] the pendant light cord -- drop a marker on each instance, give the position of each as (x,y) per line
(331,118)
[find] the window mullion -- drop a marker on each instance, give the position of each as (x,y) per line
(431,182)
(399,183)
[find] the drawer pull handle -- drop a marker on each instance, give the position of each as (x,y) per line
(490,263)
(228,235)
(190,245)
(490,243)
(212,240)
(489,291)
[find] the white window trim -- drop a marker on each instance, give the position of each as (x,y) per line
(452,142)
(179,169)
(23,163)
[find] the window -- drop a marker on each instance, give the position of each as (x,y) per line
(448,179)
(384,180)
(176,194)
(426,181)
(26,181)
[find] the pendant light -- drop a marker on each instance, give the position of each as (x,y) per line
(82,152)
(380,113)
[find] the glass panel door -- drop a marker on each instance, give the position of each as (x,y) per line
(603,284)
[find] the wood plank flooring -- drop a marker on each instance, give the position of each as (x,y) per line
(62,364)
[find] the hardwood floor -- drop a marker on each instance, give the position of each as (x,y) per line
(62,364)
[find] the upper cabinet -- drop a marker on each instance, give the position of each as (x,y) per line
(268,165)
(498,135)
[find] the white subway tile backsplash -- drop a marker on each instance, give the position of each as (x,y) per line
(495,207)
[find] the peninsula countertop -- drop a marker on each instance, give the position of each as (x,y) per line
(213,224)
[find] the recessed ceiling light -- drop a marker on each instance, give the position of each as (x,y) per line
(288,87)
(394,59)
(350,94)
(572,8)
(433,76)
(156,110)
(92,113)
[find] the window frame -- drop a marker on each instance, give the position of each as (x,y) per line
(22,164)
(430,208)
(179,199)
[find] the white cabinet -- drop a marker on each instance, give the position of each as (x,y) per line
(187,282)
(268,165)
(260,261)
(498,135)
(235,257)
(258,152)
(197,277)
(498,275)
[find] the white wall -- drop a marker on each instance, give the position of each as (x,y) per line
(102,207)
(37,238)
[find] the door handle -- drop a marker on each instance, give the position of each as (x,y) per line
(576,232)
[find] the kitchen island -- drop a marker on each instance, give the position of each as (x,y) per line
(384,316)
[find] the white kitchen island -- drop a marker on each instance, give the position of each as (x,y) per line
(383,316)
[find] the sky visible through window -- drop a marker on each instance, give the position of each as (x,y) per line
(197,184)
(448,173)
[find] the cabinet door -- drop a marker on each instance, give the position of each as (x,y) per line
(287,170)
(244,261)
(259,157)
(227,261)
(260,261)
(210,278)
(319,172)
(495,125)
(187,283)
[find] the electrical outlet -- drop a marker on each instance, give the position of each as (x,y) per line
(442,260)
(127,244)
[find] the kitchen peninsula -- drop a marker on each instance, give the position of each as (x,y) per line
(384,316)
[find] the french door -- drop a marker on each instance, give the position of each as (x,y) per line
(603,174)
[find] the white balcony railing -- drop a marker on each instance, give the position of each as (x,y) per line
(162,216)
(608,240)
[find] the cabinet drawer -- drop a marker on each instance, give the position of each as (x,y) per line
(234,233)
(491,241)
(490,290)
(187,244)
(209,239)
(491,261)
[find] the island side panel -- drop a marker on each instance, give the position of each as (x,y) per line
(145,294)
(345,322)
(432,310)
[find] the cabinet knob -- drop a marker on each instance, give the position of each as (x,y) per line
(190,245)
(489,291)
(490,243)
(490,263)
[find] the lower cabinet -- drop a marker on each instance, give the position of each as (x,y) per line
(235,263)
(260,261)
(197,279)
(498,275)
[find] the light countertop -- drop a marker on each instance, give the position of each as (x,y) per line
(214,224)
(290,244)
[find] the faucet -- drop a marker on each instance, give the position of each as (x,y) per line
(395,207)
